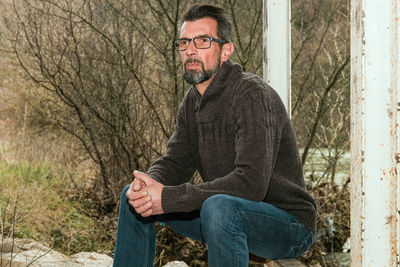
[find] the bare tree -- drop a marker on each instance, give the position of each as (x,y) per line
(320,69)
(95,68)
(321,105)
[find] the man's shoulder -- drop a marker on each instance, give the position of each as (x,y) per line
(252,83)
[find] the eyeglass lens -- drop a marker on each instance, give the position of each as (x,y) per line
(199,42)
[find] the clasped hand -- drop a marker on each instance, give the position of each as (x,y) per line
(144,195)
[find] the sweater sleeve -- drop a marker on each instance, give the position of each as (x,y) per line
(256,146)
(176,166)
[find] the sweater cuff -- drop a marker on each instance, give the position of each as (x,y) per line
(155,176)
(175,199)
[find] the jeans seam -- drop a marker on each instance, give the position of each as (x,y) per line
(233,222)
(146,253)
(273,217)
(236,258)
(236,234)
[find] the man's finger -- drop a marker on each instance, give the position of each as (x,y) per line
(142,209)
(147,213)
(133,195)
(142,176)
(137,185)
(140,202)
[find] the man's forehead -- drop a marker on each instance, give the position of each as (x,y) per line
(201,27)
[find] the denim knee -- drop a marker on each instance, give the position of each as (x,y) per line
(211,204)
(222,203)
(218,212)
(123,194)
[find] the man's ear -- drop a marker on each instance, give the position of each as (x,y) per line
(227,51)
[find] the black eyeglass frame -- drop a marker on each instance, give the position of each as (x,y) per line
(175,43)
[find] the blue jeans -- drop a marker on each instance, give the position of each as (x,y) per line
(231,227)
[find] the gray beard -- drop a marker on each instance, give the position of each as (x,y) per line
(194,77)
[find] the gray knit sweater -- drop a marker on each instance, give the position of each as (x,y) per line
(239,137)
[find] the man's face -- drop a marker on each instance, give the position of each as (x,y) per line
(200,65)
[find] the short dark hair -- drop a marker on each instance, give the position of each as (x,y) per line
(199,11)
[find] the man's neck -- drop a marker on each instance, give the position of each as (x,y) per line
(202,87)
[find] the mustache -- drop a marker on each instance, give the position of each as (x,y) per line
(193,60)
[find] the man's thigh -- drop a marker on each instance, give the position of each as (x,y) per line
(273,233)
(270,232)
(187,224)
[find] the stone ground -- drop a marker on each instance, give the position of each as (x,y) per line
(278,263)
(26,252)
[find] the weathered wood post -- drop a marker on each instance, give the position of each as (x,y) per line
(277,47)
(374,132)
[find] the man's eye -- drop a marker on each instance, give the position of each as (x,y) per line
(205,40)
(183,42)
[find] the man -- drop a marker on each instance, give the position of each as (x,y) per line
(234,130)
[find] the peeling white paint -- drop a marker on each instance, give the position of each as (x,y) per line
(374,132)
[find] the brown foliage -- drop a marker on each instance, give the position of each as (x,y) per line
(333,222)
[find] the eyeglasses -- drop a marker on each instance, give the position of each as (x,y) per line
(199,42)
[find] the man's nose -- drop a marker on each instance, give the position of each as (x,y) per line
(191,50)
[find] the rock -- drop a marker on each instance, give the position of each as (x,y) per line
(7,246)
(32,253)
(24,252)
(92,259)
(176,264)
(276,263)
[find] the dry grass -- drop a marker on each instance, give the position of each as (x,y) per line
(42,181)
(173,246)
